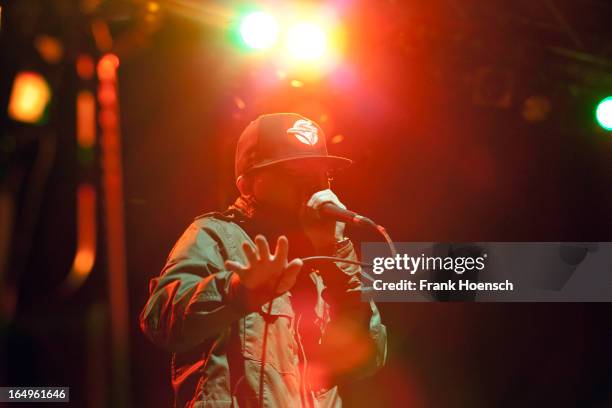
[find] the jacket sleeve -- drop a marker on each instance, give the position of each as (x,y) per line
(355,323)
(194,297)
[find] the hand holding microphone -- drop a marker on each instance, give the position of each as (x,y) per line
(322,232)
(326,217)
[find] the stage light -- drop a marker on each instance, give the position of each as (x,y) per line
(29,97)
(239,102)
(306,41)
(86,119)
(301,42)
(536,108)
(152,7)
(86,230)
(337,139)
(107,67)
(259,30)
(102,34)
(49,48)
(85,256)
(85,67)
(603,113)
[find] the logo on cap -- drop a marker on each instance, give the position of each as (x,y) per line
(304,131)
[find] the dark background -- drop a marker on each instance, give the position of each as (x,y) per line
(429,103)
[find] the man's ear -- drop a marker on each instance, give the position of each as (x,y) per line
(245,185)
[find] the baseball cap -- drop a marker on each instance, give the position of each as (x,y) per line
(280,137)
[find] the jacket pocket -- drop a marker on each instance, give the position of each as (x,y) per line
(269,336)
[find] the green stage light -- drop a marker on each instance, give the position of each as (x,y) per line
(603,113)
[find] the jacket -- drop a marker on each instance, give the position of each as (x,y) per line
(227,353)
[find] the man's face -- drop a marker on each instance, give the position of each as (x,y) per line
(287,186)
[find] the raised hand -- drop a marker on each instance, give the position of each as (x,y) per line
(271,273)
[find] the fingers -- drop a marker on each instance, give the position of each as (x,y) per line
(262,247)
(315,198)
(264,269)
(235,267)
(289,276)
(282,249)
(294,267)
(250,253)
(324,196)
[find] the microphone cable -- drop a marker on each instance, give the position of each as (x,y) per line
(381,230)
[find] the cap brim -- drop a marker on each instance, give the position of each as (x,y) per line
(333,162)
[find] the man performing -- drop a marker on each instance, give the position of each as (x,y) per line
(249,326)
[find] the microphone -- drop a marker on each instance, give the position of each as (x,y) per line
(333,212)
